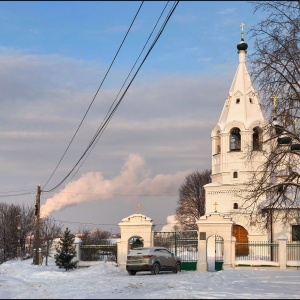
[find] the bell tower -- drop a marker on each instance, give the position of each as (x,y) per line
(238,130)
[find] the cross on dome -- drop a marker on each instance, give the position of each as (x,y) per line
(242,25)
(138,208)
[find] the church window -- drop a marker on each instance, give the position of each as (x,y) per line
(256,139)
(235,174)
(235,206)
(296,233)
(237,100)
(235,139)
(251,100)
(218,143)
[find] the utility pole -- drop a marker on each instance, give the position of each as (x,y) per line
(37,244)
(19,236)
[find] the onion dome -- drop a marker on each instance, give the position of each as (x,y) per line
(242,45)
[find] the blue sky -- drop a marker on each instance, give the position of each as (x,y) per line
(53,56)
(92,30)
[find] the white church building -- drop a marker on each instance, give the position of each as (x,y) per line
(239,130)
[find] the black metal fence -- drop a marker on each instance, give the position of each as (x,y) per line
(219,248)
(293,251)
(257,250)
(99,252)
(181,243)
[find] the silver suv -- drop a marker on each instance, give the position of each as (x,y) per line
(154,259)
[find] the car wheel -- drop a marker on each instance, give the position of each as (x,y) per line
(177,268)
(155,269)
(131,272)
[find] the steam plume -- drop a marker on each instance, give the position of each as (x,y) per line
(133,179)
(171,223)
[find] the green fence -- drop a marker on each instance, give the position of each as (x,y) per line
(182,243)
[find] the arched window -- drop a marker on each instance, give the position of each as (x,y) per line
(256,139)
(235,174)
(235,139)
(237,101)
(218,143)
(235,206)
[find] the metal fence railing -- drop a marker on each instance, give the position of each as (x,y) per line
(257,250)
(181,243)
(99,252)
(219,248)
(293,251)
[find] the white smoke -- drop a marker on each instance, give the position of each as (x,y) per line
(171,223)
(133,179)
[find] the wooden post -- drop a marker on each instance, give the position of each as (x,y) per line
(36,258)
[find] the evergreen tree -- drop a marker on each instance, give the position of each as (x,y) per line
(66,251)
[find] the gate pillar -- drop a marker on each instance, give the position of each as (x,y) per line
(214,224)
(202,255)
(134,225)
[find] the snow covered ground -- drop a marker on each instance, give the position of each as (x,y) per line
(22,280)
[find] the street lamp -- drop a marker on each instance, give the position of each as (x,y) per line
(19,236)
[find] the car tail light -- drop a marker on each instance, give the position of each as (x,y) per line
(128,256)
(147,256)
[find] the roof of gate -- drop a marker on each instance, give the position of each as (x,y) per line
(137,218)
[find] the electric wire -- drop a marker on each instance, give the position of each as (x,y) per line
(121,90)
(95,95)
(102,224)
(17,194)
(123,195)
(105,123)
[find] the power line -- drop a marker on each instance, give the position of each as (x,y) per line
(94,96)
(126,195)
(101,130)
(16,195)
(121,90)
(105,123)
(82,223)
(31,190)
(102,224)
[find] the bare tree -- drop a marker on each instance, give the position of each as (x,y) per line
(27,222)
(191,203)
(13,216)
(94,239)
(49,230)
(275,68)
(96,236)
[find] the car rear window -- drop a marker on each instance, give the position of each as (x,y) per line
(139,251)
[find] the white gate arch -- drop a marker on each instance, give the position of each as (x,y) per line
(132,226)
(217,224)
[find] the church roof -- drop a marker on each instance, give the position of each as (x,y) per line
(242,103)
